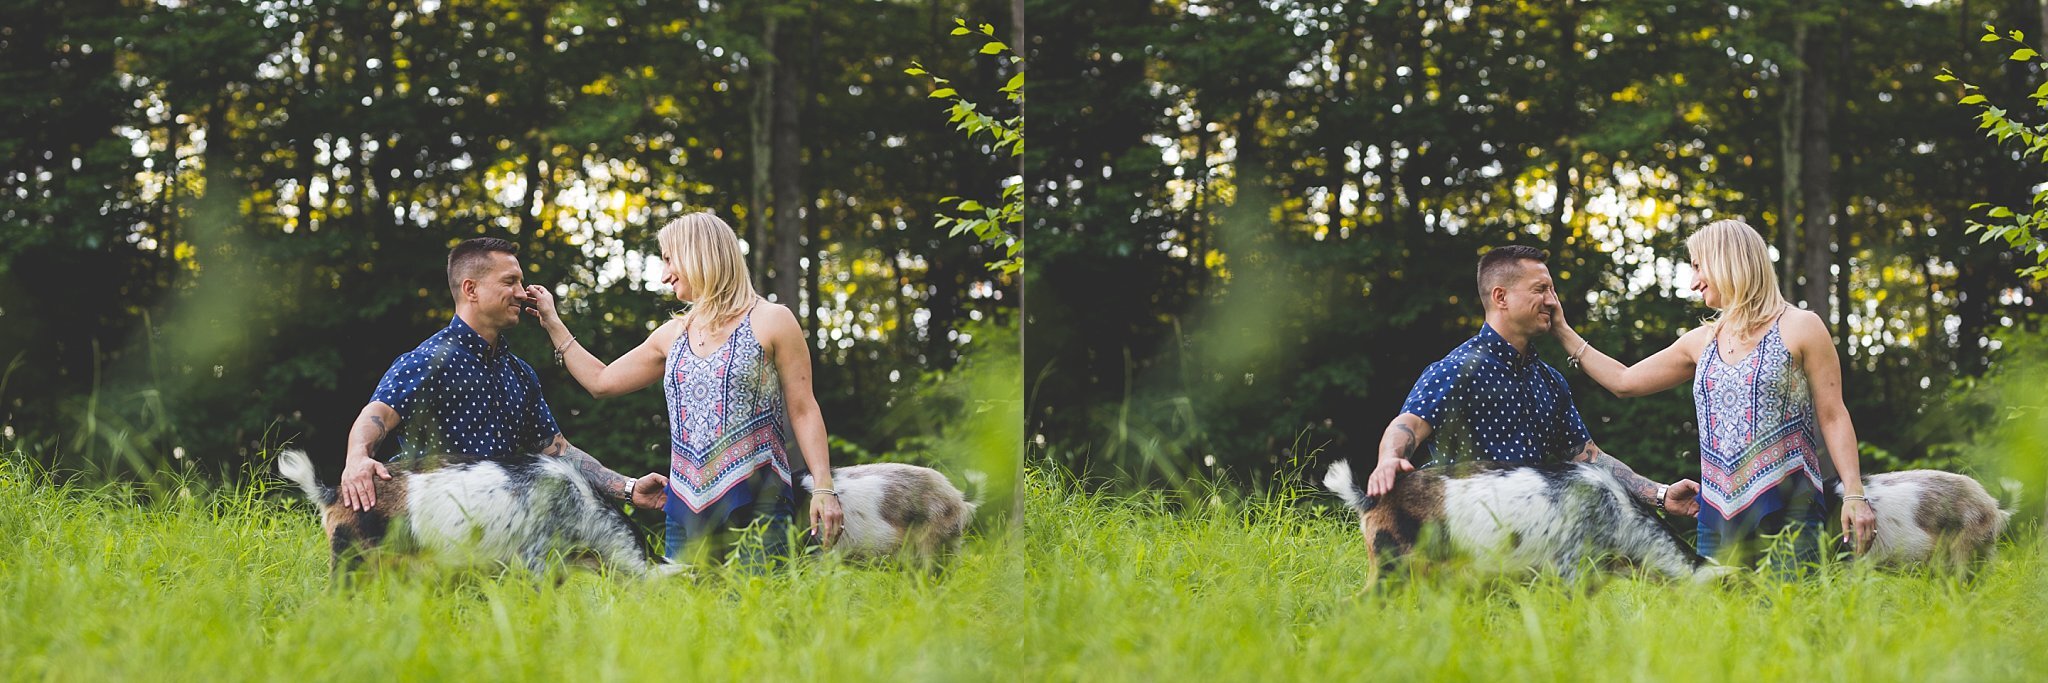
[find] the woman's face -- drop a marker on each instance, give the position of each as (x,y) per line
(672,277)
(1708,294)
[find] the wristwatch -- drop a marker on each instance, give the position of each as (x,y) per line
(1661,490)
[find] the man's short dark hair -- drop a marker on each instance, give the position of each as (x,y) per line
(1500,264)
(470,256)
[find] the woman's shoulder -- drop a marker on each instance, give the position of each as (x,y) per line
(1801,326)
(666,334)
(773,321)
(1694,341)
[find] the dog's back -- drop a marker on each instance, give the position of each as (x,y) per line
(894,508)
(1930,516)
(515,510)
(1527,516)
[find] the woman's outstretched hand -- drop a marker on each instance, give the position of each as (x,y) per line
(1558,326)
(543,305)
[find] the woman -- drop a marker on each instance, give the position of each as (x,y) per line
(1768,389)
(738,378)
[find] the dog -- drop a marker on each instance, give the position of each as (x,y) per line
(1929,517)
(1529,516)
(897,510)
(515,510)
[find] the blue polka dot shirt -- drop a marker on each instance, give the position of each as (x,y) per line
(1487,401)
(457,394)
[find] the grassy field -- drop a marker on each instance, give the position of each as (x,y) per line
(103,584)
(1158,588)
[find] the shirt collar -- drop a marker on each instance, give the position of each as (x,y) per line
(1498,347)
(468,338)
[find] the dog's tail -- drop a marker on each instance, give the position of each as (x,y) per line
(1339,481)
(976,489)
(294,465)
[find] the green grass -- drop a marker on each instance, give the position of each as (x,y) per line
(1168,587)
(102,585)
(107,584)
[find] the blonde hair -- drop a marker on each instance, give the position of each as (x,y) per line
(707,257)
(1737,262)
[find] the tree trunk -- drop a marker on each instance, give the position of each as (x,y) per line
(2043,35)
(536,103)
(786,166)
(1791,120)
(1817,181)
(759,153)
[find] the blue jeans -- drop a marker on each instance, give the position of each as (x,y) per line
(752,520)
(1790,538)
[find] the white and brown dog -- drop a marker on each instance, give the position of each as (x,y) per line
(1929,517)
(1522,516)
(898,510)
(516,511)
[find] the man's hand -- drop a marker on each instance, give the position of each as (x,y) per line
(1683,498)
(358,483)
(1382,479)
(650,492)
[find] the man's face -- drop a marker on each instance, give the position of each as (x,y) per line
(497,290)
(1530,298)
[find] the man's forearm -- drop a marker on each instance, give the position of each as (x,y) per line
(1398,442)
(368,431)
(612,484)
(1638,485)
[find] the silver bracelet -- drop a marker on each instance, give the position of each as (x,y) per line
(559,360)
(829,492)
(1583,344)
(1852,496)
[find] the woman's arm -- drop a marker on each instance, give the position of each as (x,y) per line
(783,339)
(1811,345)
(631,372)
(1664,370)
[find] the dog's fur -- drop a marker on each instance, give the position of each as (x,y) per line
(1929,517)
(1527,516)
(897,510)
(514,510)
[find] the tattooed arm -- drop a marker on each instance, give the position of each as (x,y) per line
(645,492)
(1681,498)
(1402,436)
(359,474)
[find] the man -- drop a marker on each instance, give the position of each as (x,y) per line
(462,392)
(1492,399)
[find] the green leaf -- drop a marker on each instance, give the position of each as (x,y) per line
(914,71)
(2017,36)
(1988,38)
(993,47)
(2000,212)
(943,93)
(1017,82)
(961,31)
(1973,207)
(1972,99)
(988,30)
(1944,76)
(2024,54)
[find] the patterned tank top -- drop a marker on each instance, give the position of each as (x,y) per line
(726,417)
(1757,428)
